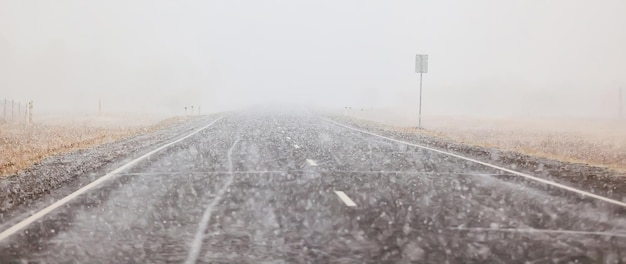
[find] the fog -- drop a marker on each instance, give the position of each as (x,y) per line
(559,58)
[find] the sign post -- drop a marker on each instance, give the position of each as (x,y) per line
(421,67)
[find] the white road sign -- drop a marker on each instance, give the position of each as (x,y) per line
(421,63)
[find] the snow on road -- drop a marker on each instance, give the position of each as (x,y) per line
(237,191)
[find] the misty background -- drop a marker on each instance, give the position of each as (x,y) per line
(558,58)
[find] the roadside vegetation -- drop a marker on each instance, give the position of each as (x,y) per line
(22,145)
(600,143)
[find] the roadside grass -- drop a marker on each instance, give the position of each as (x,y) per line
(22,145)
(608,152)
(600,143)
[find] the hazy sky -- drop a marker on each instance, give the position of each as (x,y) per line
(497,57)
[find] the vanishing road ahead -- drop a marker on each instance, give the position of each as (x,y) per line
(266,187)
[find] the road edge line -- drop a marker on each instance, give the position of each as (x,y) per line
(527,176)
(36,216)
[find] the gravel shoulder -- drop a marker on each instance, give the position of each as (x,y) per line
(598,180)
(58,175)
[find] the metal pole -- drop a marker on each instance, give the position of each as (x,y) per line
(19,110)
(12,110)
(420,115)
(5,109)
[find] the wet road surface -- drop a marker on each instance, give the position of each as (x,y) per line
(285,188)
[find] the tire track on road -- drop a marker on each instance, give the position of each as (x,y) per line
(196,245)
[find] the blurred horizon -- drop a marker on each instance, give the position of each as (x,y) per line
(488,58)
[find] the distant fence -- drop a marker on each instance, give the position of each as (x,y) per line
(12,111)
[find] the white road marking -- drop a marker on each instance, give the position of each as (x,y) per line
(196,245)
(311,162)
(345,198)
(178,173)
(545,231)
(22,224)
(296,146)
(527,176)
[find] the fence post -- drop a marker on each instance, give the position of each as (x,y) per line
(30,112)
(619,103)
(5,110)
(12,110)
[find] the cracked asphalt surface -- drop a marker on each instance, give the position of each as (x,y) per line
(242,191)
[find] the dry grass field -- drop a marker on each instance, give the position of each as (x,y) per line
(595,142)
(22,145)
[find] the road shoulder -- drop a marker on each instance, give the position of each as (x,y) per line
(80,167)
(597,180)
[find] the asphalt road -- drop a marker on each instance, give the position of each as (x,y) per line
(266,187)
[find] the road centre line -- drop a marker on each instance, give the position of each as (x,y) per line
(36,216)
(311,162)
(345,199)
(527,176)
